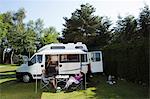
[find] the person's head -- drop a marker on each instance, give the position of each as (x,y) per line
(49,58)
(81,74)
(43,71)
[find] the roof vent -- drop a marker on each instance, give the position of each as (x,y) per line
(79,42)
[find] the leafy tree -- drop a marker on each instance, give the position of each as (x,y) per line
(3,29)
(17,34)
(30,37)
(39,28)
(126,29)
(144,21)
(84,26)
(50,36)
(5,26)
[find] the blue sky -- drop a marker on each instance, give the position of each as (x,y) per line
(53,11)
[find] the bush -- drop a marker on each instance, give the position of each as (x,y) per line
(17,59)
(128,61)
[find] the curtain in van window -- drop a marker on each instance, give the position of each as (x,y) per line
(39,58)
(69,58)
(84,57)
(96,57)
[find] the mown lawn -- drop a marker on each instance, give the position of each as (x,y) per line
(97,88)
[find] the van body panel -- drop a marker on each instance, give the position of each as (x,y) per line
(69,68)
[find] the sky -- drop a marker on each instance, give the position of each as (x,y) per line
(53,11)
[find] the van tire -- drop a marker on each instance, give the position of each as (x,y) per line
(18,79)
(26,78)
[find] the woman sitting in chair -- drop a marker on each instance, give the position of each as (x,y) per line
(74,79)
(47,79)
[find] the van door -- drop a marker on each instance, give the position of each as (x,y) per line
(36,65)
(51,64)
(96,63)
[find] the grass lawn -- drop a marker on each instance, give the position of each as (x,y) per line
(97,88)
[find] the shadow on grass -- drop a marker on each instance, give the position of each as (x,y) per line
(120,90)
(7,74)
(4,76)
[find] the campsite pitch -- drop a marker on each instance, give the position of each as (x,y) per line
(97,88)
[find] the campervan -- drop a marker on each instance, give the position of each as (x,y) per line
(60,59)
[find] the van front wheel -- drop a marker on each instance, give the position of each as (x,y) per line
(26,78)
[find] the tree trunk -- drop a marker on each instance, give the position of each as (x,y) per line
(11,58)
(3,55)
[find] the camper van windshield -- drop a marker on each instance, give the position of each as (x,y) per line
(32,61)
(35,59)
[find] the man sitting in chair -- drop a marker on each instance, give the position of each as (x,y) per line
(74,79)
(47,79)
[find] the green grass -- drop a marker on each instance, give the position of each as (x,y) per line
(5,68)
(97,89)
(82,94)
(121,90)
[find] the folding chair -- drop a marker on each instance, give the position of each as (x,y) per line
(78,86)
(45,83)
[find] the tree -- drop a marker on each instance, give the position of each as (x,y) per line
(84,26)
(39,28)
(30,37)
(144,21)
(5,26)
(17,33)
(126,29)
(3,30)
(50,36)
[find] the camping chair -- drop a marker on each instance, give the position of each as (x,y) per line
(45,83)
(78,86)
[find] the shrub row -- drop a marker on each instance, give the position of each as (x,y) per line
(128,61)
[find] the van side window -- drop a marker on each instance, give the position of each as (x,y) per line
(96,57)
(69,58)
(39,58)
(84,57)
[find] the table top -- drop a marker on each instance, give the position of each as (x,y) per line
(62,76)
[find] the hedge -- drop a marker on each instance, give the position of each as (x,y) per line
(128,61)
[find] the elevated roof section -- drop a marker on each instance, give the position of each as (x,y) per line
(77,51)
(61,46)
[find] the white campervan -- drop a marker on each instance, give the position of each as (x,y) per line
(67,58)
